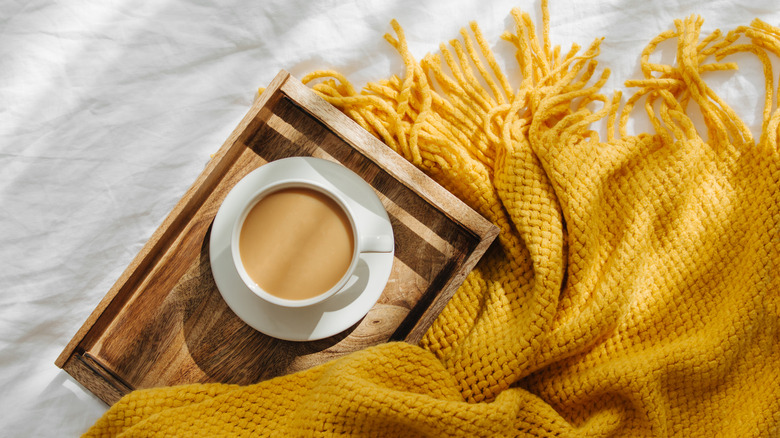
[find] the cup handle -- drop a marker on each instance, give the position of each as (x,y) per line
(381,243)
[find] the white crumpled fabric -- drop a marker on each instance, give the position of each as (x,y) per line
(110,109)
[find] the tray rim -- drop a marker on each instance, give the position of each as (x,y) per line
(340,125)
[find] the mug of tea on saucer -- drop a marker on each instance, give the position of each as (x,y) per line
(296,242)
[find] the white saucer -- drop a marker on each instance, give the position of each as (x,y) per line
(338,312)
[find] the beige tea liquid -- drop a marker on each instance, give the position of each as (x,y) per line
(296,243)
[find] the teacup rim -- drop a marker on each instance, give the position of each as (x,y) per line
(272,187)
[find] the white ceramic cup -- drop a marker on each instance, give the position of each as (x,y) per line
(364,241)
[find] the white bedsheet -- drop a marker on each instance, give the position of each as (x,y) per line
(110,109)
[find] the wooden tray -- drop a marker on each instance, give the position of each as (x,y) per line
(165,323)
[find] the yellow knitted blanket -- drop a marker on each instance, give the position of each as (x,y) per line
(635,286)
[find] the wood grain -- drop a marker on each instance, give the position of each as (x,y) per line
(165,323)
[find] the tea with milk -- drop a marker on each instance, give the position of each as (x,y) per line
(296,243)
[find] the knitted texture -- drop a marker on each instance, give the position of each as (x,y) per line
(634,289)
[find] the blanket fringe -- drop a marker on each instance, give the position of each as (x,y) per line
(478,112)
(670,88)
(438,120)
